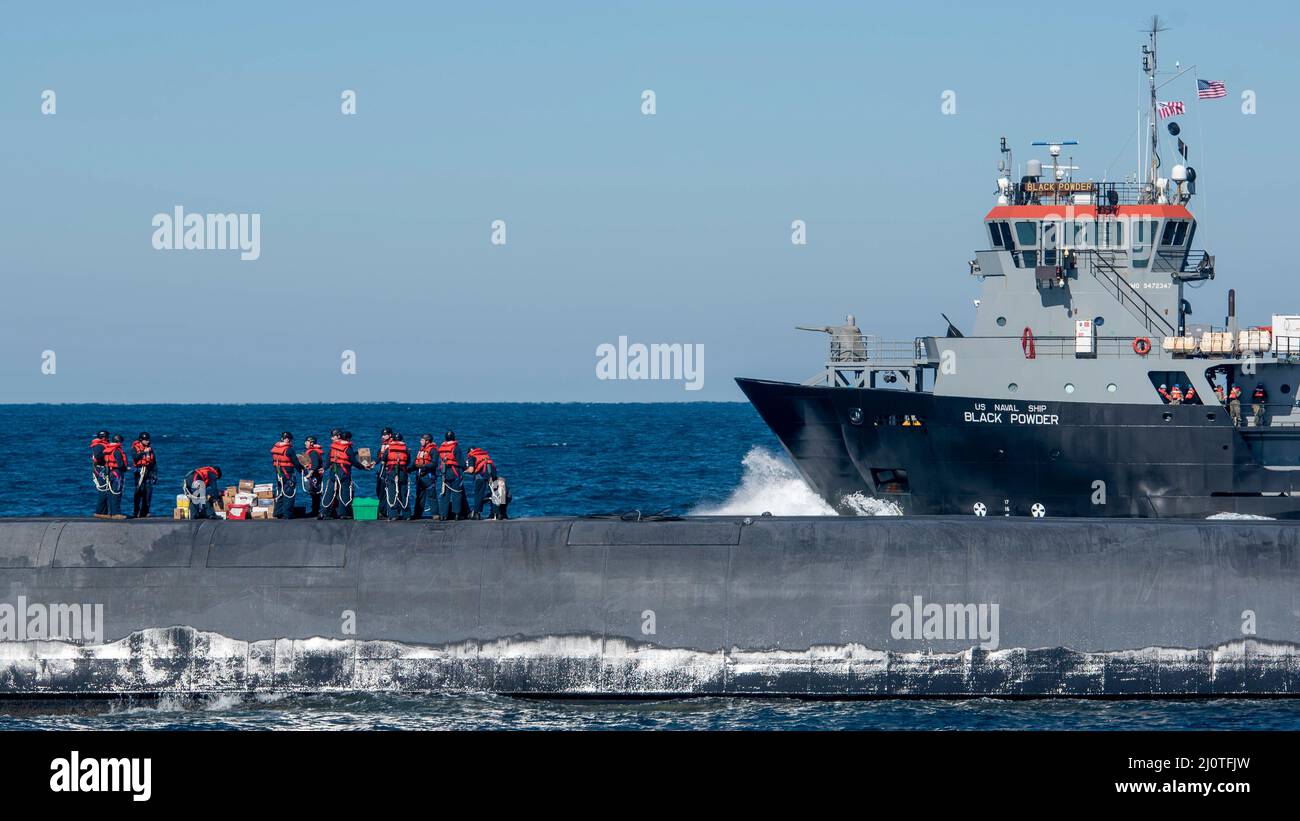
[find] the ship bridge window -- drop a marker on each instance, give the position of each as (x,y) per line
(1026,233)
(1005,229)
(995,235)
(1175,233)
(1144,231)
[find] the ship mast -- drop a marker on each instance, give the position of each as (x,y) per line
(1149,66)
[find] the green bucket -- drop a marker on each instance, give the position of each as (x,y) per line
(365,510)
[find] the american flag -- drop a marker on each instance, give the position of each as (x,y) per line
(1210,89)
(1171,109)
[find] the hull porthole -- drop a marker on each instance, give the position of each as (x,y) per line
(980,509)
(1038,511)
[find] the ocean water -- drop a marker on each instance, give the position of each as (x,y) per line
(558,459)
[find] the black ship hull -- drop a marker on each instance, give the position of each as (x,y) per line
(933,454)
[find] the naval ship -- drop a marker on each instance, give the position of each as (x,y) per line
(1056,403)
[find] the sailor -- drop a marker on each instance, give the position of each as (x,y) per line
(285,462)
(1258,403)
(1175,395)
(1234,404)
(339,489)
(397,460)
(480,472)
(1219,394)
(381,474)
(426,476)
(201,487)
(313,472)
(114,476)
(97,446)
(1163,390)
(145,464)
(1190,396)
(451,488)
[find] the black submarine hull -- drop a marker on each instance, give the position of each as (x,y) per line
(972,456)
(810,607)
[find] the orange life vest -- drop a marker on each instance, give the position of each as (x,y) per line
(114,457)
(447,453)
(481,460)
(1235,393)
(339,454)
(280,455)
(96,443)
(316,449)
(425,457)
(395,454)
(206,475)
(142,459)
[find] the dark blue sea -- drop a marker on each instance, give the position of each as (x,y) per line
(558,459)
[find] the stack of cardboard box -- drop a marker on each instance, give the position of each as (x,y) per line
(182,509)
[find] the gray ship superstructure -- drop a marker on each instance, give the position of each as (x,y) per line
(1057,401)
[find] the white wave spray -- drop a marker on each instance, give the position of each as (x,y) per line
(770,484)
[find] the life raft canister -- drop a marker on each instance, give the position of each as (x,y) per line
(1141,346)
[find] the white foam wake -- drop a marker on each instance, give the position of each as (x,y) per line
(770,484)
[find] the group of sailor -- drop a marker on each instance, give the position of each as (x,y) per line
(438,481)
(110,466)
(1231,398)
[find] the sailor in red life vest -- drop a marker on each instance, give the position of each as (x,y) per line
(481,471)
(313,474)
(285,462)
(425,468)
(1176,395)
(381,470)
(201,487)
(397,460)
(451,483)
(1234,404)
(1258,403)
(1190,396)
(97,446)
(114,476)
(1219,394)
(1163,390)
(339,489)
(145,465)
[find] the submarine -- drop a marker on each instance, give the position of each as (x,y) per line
(652,607)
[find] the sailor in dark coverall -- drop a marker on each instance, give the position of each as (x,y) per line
(145,464)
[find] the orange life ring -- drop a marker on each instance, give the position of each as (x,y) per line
(1141,346)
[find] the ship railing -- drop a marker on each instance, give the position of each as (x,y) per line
(1102,265)
(853,359)
(1102,194)
(1188,266)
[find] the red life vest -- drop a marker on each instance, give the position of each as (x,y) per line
(339,453)
(1236,393)
(481,460)
(113,456)
(316,449)
(142,459)
(96,443)
(1190,395)
(280,455)
(395,454)
(206,475)
(447,453)
(1176,395)
(425,456)
(1259,394)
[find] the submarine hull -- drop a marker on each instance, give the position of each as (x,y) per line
(973,456)
(815,607)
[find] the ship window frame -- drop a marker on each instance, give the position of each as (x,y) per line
(1007,241)
(1032,242)
(1180,235)
(995,235)
(1167,236)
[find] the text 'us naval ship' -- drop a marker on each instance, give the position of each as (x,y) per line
(1058,403)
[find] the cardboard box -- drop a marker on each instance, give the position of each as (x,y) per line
(305,461)
(260,513)
(264,494)
(220,514)
(264,503)
(246,485)
(244,498)
(238,513)
(181,513)
(264,487)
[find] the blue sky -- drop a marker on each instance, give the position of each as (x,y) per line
(666,228)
